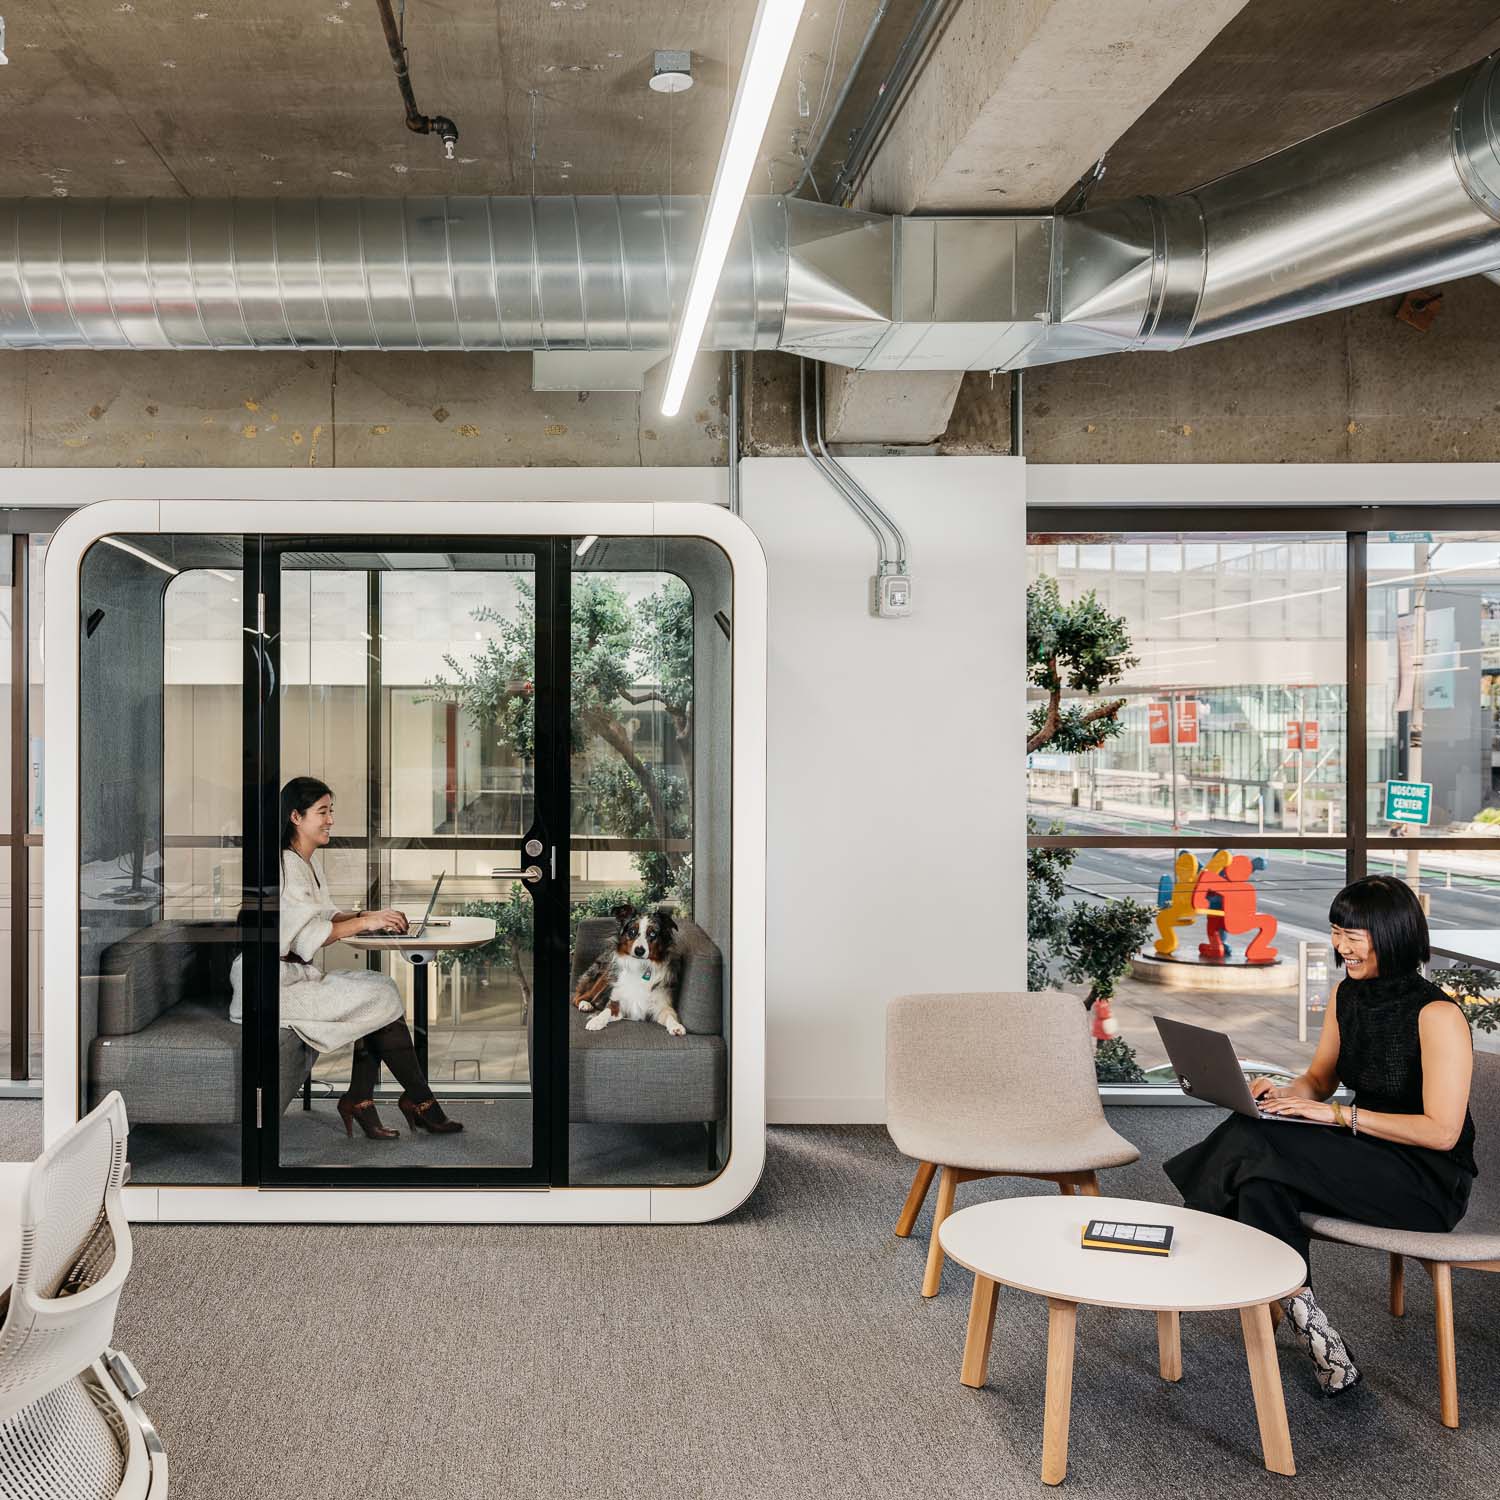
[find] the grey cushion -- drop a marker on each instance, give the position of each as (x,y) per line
(184,1069)
(149,971)
(700,993)
(165,1038)
(1477,1236)
(633,1072)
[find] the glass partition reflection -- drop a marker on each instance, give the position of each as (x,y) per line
(160,883)
(652,632)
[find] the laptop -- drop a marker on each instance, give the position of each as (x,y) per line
(1207,1068)
(421,926)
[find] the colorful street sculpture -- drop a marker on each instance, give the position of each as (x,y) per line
(1223,894)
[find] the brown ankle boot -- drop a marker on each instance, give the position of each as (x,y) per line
(427,1115)
(369,1121)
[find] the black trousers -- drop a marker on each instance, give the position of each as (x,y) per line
(1266,1175)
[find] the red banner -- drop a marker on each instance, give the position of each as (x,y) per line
(1157,722)
(1187,722)
(1302,734)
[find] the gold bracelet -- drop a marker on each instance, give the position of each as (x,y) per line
(1338,1114)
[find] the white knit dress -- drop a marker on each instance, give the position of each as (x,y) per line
(326,1010)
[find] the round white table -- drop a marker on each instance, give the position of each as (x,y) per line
(1033,1244)
(419,952)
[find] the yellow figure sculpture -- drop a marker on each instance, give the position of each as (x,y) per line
(1177,906)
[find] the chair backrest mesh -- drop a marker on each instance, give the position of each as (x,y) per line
(75,1255)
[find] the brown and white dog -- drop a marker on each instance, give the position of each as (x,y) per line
(636,980)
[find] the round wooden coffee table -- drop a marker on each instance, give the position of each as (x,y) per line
(1032,1244)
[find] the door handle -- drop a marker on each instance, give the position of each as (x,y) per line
(531,874)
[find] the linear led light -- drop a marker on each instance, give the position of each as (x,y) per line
(145,557)
(760,76)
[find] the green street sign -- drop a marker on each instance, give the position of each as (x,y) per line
(1408,536)
(1408,802)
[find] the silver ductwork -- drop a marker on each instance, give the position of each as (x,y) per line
(1405,196)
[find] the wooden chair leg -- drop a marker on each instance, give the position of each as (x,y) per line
(933,1277)
(1275,1315)
(1265,1383)
(1447,1353)
(1088,1185)
(1398,1286)
(1065,1184)
(1062,1325)
(981,1333)
(1169,1344)
(915,1198)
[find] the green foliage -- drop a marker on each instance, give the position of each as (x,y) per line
(1487,815)
(1080,647)
(1099,941)
(1115,1062)
(1046,886)
(614,646)
(1471,987)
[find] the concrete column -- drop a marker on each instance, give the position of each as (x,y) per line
(1021,97)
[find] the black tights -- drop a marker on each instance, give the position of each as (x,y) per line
(391,1045)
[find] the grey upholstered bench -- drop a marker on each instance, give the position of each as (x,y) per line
(633,1072)
(164,1038)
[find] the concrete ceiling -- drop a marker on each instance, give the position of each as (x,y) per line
(1282,70)
(166,97)
(297,97)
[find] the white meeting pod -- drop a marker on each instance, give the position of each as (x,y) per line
(529,716)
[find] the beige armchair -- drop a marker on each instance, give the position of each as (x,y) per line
(993,1085)
(1474,1245)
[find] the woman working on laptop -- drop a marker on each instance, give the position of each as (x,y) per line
(330,1010)
(1400,1155)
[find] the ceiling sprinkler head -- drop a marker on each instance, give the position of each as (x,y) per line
(672,72)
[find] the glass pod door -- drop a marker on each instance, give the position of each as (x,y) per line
(412,954)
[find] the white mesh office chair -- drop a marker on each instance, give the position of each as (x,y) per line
(70,1424)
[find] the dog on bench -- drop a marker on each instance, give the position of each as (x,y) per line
(636,980)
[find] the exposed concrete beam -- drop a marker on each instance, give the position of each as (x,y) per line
(1021,97)
(884,406)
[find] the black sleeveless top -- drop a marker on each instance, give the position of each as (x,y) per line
(1380,1050)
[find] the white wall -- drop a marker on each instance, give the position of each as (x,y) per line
(897,764)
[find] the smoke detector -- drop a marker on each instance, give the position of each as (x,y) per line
(672,72)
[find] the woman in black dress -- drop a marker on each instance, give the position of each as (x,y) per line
(1399,1155)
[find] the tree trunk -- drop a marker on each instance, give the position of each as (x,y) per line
(613,734)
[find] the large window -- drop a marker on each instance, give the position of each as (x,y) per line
(1301,689)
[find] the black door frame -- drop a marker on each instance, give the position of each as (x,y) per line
(260,1133)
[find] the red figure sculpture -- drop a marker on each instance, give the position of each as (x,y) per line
(1237,900)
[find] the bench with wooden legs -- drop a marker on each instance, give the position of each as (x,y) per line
(1067,1182)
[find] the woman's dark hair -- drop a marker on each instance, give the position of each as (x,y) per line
(298,795)
(1389,911)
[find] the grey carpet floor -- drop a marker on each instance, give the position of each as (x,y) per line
(784,1352)
(495,1133)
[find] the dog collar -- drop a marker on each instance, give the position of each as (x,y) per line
(646,973)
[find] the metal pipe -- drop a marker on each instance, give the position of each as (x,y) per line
(811,159)
(1404,197)
(857,492)
(817,463)
(734,432)
(438,125)
(1017,414)
(928,27)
